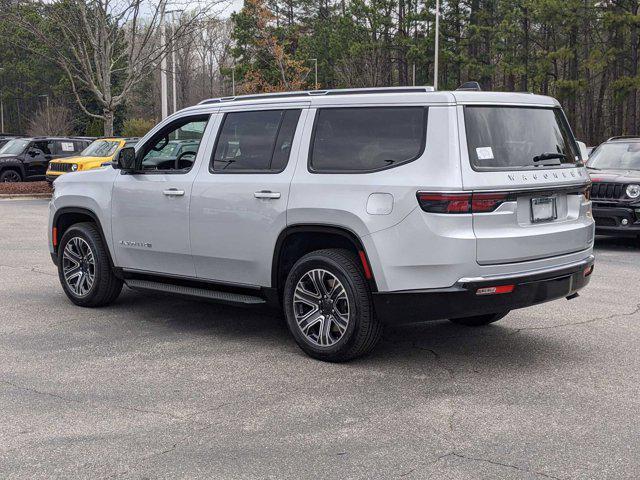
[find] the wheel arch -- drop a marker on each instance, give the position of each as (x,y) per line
(14,166)
(67,216)
(301,239)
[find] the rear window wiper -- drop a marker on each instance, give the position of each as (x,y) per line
(549,156)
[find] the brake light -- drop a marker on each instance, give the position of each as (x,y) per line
(495,290)
(487,202)
(434,202)
(445,202)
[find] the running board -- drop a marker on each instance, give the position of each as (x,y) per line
(215,295)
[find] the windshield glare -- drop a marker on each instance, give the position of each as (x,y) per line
(616,156)
(100,148)
(507,138)
(14,147)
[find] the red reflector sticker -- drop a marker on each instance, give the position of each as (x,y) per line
(54,236)
(495,290)
(588,271)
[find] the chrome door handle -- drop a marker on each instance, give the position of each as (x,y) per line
(173,192)
(266,194)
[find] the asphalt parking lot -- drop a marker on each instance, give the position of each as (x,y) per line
(158,387)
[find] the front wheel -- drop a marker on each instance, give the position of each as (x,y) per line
(328,306)
(479,320)
(84,269)
(10,176)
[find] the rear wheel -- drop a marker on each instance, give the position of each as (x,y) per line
(84,269)
(10,176)
(479,320)
(328,306)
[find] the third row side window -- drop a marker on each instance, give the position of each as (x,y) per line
(366,139)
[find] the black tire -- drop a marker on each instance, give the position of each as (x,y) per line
(363,329)
(10,176)
(479,320)
(105,287)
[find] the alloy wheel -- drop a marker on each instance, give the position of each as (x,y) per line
(321,307)
(11,176)
(78,266)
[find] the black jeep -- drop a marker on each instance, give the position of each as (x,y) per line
(28,158)
(614,167)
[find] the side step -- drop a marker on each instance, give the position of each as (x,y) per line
(215,295)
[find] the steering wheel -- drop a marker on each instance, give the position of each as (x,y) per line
(181,158)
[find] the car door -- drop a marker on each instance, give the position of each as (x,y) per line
(239,200)
(36,158)
(150,207)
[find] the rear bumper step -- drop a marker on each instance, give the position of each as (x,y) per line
(462,299)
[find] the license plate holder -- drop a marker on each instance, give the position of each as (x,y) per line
(543,209)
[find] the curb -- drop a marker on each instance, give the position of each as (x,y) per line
(24,196)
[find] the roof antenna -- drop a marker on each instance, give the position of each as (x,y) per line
(470,87)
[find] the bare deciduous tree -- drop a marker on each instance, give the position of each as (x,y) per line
(105,47)
(53,120)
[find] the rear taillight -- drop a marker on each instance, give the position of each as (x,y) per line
(434,202)
(487,202)
(586,191)
(445,202)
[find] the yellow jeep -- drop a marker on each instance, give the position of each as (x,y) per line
(99,152)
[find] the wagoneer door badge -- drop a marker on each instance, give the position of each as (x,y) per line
(127,243)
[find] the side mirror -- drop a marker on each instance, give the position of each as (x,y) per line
(126,159)
(584,153)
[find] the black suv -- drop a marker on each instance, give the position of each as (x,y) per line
(28,158)
(614,167)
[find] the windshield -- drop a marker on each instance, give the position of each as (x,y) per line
(509,138)
(14,147)
(616,156)
(101,148)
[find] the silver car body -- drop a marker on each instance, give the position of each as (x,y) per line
(221,229)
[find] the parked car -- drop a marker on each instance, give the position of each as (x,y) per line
(347,208)
(615,172)
(28,158)
(98,153)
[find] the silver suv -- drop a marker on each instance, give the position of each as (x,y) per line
(347,208)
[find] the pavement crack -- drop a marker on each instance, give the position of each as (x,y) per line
(500,464)
(29,269)
(40,392)
(584,322)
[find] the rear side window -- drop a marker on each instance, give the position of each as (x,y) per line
(508,138)
(367,139)
(255,141)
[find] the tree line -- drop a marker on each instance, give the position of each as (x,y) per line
(583,52)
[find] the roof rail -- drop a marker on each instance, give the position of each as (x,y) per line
(318,93)
(623,137)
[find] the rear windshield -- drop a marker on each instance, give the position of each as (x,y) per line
(511,138)
(616,156)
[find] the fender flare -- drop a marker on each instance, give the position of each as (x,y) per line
(85,211)
(344,232)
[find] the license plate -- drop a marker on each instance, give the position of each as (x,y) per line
(543,209)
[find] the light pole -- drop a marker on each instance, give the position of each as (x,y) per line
(48,112)
(173,58)
(2,102)
(315,60)
(437,46)
(164,107)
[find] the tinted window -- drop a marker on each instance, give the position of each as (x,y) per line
(101,148)
(255,141)
(367,139)
(518,137)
